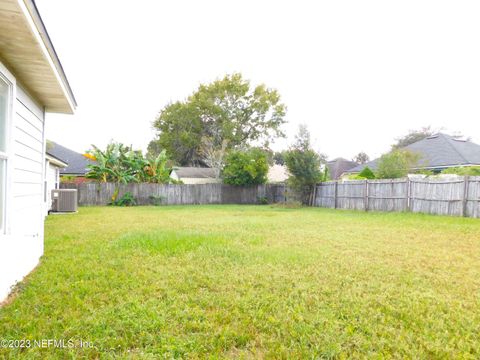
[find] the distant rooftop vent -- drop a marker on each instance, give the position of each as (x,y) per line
(434,136)
(460,139)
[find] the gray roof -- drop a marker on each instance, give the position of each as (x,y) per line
(52,157)
(77,163)
(438,151)
(195,172)
(338,166)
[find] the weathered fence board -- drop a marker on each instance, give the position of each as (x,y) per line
(148,194)
(472,206)
(457,197)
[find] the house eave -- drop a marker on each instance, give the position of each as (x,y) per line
(26,49)
(55,161)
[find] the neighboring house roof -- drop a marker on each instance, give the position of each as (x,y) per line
(77,163)
(55,161)
(26,49)
(436,152)
(339,166)
(195,172)
(277,173)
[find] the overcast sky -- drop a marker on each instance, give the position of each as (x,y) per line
(358,73)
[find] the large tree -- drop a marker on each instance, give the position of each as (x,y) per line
(226,111)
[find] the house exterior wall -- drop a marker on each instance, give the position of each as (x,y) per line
(22,240)
(193,181)
(200,181)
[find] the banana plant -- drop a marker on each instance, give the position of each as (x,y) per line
(112,165)
(157,170)
(120,164)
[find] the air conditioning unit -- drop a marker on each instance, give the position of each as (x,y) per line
(64,200)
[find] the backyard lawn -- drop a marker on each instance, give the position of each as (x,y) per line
(251,282)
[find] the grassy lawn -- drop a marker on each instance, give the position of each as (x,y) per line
(246,281)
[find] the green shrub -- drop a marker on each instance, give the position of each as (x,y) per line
(67,179)
(356,177)
(463,170)
(262,200)
(396,164)
(303,164)
(156,200)
(304,167)
(126,200)
(246,167)
(366,173)
(325,175)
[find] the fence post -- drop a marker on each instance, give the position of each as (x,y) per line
(335,192)
(409,194)
(314,195)
(366,195)
(465,195)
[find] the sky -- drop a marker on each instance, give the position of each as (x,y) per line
(358,73)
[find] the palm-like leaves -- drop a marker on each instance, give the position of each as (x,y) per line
(157,170)
(120,164)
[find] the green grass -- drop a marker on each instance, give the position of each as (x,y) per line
(246,281)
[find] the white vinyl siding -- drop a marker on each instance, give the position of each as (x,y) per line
(27,167)
(22,239)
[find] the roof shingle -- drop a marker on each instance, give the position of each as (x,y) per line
(77,163)
(438,151)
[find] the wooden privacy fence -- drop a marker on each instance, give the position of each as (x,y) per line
(156,194)
(455,197)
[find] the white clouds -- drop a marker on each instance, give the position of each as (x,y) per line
(359,73)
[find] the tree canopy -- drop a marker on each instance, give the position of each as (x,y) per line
(279,157)
(413,136)
(227,111)
(361,158)
(246,167)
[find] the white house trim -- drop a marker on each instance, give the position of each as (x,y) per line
(27,51)
(9,78)
(41,41)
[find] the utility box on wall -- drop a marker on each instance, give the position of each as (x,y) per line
(64,200)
